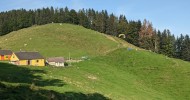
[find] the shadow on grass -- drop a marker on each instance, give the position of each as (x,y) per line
(26,92)
(14,74)
(32,87)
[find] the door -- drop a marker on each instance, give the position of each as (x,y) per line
(28,62)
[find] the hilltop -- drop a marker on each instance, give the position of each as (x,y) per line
(113,72)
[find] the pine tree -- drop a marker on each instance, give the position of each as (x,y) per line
(74,18)
(67,16)
(185,49)
(83,19)
(92,18)
(155,39)
(132,32)
(104,21)
(111,27)
(159,36)
(178,46)
(122,25)
(98,22)
(167,44)
(171,44)
(52,12)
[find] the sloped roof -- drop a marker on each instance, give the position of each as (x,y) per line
(56,59)
(28,55)
(6,52)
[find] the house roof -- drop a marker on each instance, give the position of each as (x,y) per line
(56,59)
(28,55)
(6,52)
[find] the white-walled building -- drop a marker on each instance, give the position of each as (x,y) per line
(56,61)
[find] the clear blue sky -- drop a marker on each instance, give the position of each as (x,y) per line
(164,14)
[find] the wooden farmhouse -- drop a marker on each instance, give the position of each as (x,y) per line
(56,61)
(5,55)
(27,58)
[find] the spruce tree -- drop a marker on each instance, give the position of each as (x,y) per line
(111,27)
(185,49)
(122,25)
(73,17)
(83,19)
(132,32)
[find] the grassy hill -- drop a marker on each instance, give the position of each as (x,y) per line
(59,40)
(114,73)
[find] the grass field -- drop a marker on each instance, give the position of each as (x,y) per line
(114,73)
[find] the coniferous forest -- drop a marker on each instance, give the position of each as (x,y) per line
(138,33)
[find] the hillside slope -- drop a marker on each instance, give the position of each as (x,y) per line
(119,75)
(113,72)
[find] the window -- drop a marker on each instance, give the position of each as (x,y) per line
(37,61)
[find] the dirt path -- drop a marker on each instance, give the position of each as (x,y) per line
(121,44)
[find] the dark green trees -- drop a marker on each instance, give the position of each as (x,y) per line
(182,48)
(185,49)
(122,25)
(111,27)
(83,19)
(167,43)
(132,32)
(73,17)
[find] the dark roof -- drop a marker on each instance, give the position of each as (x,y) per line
(28,55)
(56,59)
(6,52)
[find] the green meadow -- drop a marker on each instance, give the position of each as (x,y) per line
(112,71)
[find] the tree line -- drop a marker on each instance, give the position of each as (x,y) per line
(138,33)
